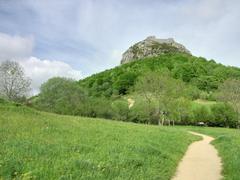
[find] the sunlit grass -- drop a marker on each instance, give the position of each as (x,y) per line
(47,146)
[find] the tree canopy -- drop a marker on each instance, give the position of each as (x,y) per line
(61,95)
(196,71)
(14,85)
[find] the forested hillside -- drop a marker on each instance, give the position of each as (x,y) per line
(196,71)
(168,89)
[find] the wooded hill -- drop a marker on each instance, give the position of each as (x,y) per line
(196,71)
(173,88)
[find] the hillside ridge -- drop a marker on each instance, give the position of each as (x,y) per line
(152,46)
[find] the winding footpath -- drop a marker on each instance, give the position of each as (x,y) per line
(201,161)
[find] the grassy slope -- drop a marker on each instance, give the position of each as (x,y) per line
(228,144)
(48,146)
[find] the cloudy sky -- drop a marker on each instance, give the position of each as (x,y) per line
(76,38)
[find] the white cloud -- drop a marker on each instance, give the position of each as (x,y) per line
(19,49)
(208,28)
(41,70)
(12,47)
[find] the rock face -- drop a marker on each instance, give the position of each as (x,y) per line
(150,47)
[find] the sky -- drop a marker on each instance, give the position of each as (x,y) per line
(77,38)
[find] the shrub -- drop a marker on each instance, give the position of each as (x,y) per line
(60,95)
(202,114)
(97,107)
(142,112)
(120,110)
(223,116)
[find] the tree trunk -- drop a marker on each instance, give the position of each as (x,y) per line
(163,119)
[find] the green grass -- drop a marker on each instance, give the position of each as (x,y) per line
(227,142)
(38,145)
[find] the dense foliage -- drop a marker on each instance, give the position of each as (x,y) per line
(196,71)
(178,111)
(60,95)
(164,90)
(229,92)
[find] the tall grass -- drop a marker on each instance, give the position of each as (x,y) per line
(38,145)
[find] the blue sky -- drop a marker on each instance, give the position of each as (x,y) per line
(77,38)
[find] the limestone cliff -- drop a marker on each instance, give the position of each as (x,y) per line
(152,46)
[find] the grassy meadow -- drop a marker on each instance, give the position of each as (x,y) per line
(39,145)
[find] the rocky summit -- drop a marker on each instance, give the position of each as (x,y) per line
(150,47)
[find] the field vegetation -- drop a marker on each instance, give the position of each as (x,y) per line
(39,145)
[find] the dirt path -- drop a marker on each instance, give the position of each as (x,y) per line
(201,161)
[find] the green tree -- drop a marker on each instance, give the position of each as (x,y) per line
(14,85)
(180,111)
(61,95)
(202,114)
(120,110)
(229,92)
(124,82)
(186,71)
(224,115)
(143,112)
(160,89)
(98,107)
(206,83)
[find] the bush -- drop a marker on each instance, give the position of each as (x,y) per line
(97,107)
(202,114)
(2,101)
(180,111)
(223,116)
(193,92)
(220,115)
(60,95)
(120,110)
(142,112)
